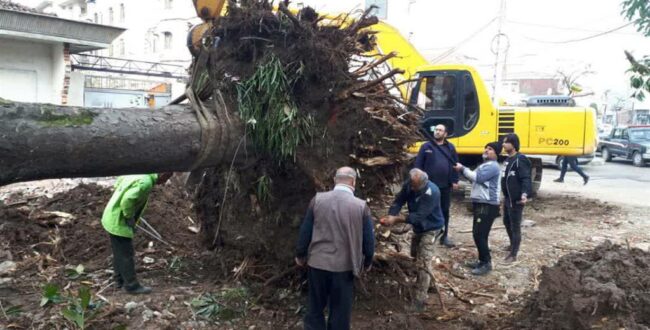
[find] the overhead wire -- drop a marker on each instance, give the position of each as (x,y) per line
(470,37)
(582,39)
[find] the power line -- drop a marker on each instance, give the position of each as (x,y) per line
(582,39)
(555,27)
(453,49)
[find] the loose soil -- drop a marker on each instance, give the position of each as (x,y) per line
(43,246)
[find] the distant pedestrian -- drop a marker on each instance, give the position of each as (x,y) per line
(486,199)
(121,216)
(425,216)
(516,186)
(573,162)
(438,162)
(337,243)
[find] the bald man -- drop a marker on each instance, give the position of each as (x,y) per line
(425,215)
(336,242)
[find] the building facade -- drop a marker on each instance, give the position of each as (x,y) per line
(35,52)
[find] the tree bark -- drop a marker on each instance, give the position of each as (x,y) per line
(39,141)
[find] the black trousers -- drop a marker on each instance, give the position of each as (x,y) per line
(484,215)
(512,221)
(445,203)
(123,262)
(335,288)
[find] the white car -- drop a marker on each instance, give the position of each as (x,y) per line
(556,161)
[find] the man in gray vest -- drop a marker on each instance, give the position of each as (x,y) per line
(337,243)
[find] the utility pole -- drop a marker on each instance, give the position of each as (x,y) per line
(496,50)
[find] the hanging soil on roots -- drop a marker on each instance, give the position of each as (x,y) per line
(606,288)
(311,101)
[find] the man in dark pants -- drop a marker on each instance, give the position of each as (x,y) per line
(516,187)
(486,198)
(337,243)
(573,162)
(120,218)
(438,161)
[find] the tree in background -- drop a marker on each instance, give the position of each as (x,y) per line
(638,11)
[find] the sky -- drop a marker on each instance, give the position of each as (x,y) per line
(543,36)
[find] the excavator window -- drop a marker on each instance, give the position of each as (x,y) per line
(437,93)
(471,106)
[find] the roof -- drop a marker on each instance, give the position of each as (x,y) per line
(9,5)
(30,25)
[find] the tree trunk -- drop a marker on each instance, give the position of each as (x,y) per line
(39,141)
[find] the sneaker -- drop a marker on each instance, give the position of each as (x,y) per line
(482,269)
(139,290)
(510,259)
(586,179)
(558,180)
(447,243)
(472,264)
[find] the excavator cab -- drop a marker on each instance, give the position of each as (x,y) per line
(448,98)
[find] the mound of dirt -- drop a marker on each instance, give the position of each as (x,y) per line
(603,288)
(67,226)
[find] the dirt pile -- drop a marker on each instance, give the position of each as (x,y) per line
(67,227)
(603,288)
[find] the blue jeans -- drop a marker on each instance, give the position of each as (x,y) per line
(573,162)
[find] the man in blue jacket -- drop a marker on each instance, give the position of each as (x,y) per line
(425,215)
(438,161)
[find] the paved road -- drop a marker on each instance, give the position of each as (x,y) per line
(615,182)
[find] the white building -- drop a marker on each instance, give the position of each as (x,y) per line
(35,54)
(156,29)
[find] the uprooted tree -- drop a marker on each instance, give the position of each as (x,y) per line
(277,102)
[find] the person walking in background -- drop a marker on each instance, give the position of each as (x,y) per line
(573,162)
(438,162)
(516,186)
(486,199)
(336,242)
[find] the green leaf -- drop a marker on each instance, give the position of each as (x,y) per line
(84,295)
(50,294)
(74,316)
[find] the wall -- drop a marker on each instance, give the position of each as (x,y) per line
(27,71)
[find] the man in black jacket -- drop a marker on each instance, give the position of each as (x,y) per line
(438,161)
(516,187)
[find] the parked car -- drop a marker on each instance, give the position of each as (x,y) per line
(632,142)
(556,161)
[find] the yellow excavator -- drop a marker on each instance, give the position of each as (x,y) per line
(456,96)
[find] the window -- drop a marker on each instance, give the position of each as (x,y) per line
(624,135)
(110,15)
(471,104)
(84,10)
(121,48)
(122,14)
(153,41)
(437,93)
(96,19)
(168,4)
(617,134)
(168,40)
(382,8)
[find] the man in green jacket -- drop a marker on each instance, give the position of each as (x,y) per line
(120,218)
